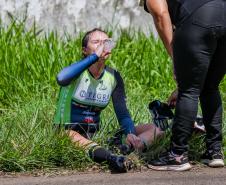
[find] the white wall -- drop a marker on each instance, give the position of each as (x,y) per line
(79,15)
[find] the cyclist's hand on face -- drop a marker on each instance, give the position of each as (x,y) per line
(133,140)
(172,100)
(100,52)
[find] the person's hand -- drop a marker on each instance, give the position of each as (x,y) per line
(99,50)
(101,53)
(172,100)
(133,140)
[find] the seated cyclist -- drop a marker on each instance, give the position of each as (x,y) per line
(84,96)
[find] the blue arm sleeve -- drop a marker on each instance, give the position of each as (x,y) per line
(119,103)
(66,75)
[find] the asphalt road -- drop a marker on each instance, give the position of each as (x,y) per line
(202,176)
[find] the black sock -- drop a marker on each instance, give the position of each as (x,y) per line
(99,155)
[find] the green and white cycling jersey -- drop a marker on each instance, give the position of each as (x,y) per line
(92,92)
(85,97)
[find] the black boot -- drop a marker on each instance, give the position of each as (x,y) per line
(118,163)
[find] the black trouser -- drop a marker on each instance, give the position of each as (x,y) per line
(199,49)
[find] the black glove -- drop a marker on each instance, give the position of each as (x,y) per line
(161,114)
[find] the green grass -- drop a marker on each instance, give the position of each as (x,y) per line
(28,94)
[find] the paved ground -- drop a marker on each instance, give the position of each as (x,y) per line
(197,176)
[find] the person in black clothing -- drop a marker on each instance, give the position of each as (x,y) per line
(198,50)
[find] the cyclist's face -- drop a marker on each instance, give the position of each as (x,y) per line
(95,39)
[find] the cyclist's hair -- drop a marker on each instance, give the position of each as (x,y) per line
(86,37)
